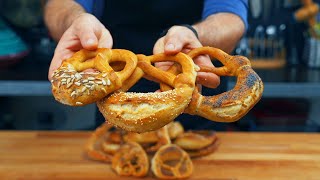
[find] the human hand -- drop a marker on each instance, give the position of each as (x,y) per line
(87,32)
(182,39)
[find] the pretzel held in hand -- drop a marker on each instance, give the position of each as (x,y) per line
(231,105)
(142,112)
(72,86)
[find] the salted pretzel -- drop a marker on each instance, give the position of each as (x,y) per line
(142,112)
(73,86)
(231,105)
(171,162)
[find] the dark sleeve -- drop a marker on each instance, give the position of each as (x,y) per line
(238,7)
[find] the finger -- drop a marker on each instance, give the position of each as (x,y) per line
(87,37)
(159,46)
(209,80)
(105,39)
(57,59)
(173,43)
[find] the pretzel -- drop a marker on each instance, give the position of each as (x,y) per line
(142,112)
(229,106)
(195,141)
(131,160)
(171,162)
(93,148)
(174,130)
(72,86)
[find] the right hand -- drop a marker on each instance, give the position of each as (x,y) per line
(87,32)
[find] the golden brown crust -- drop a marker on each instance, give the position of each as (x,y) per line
(72,86)
(142,112)
(171,162)
(93,145)
(131,160)
(233,104)
(195,140)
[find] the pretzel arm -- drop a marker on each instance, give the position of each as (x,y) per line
(233,104)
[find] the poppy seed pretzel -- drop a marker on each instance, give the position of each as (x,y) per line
(72,86)
(142,112)
(231,105)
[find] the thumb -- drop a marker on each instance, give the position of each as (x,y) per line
(88,38)
(172,44)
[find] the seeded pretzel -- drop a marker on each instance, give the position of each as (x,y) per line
(131,160)
(171,162)
(72,86)
(142,112)
(231,105)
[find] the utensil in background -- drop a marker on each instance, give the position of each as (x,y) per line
(243,47)
(255,8)
(258,42)
(271,38)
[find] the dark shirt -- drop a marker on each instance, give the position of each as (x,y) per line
(136,25)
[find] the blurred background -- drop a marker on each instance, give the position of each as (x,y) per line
(283,43)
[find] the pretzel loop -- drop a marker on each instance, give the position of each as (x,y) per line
(72,86)
(231,105)
(142,112)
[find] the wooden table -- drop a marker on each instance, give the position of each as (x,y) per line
(258,156)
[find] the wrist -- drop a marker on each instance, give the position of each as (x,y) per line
(191,28)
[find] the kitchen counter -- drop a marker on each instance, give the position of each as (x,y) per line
(60,155)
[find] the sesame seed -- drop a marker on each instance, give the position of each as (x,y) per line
(73,93)
(68,81)
(63,80)
(108,82)
(104,82)
(77,83)
(52,81)
(79,103)
(104,90)
(78,76)
(83,89)
(104,75)
(69,85)
(85,81)
(91,78)
(98,82)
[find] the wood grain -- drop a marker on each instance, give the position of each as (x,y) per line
(256,156)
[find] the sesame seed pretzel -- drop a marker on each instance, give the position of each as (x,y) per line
(231,105)
(72,86)
(142,112)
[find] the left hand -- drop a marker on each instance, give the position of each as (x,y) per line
(181,39)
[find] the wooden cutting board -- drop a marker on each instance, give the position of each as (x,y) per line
(257,156)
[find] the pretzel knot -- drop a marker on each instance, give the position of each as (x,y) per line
(131,160)
(142,112)
(171,162)
(72,86)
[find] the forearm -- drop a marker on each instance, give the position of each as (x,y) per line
(59,15)
(222,30)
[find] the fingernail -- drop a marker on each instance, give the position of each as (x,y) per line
(170,47)
(90,42)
